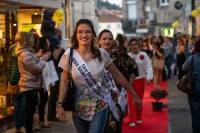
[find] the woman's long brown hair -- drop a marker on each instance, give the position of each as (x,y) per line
(74,40)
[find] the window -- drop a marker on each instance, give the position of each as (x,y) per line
(164,2)
(118,26)
(108,26)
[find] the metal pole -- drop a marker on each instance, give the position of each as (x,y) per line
(193,19)
(68,18)
(83,10)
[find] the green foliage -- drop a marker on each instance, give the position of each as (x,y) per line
(106,4)
(158,94)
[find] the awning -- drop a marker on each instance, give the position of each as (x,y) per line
(31,3)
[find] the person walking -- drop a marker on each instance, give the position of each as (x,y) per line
(193,62)
(158,62)
(180,57)
(106,42)
(145,74)
(90,115)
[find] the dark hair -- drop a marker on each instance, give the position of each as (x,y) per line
(145,41)
(47,28)
(105,31)
(74,40)
(48,14)
(135,40)
(120,40)
(181,40)
(43,44)
(197,46)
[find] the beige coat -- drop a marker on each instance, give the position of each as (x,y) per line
(30,68)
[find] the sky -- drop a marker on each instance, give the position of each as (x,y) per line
(117,2)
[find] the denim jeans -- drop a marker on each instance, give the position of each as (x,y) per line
(97,125)
(43,94)
(19,111)
(30,100)
(194,102)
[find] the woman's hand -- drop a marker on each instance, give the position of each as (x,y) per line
(46,56)
(60,113)
(39,53)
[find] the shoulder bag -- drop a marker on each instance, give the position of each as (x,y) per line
(69,99)
(185,83)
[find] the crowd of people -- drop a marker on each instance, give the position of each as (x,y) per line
(105,71)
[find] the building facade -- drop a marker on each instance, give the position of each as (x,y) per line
(84,9)
(110,22)
(156,16)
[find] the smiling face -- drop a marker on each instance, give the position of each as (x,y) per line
(84,34)
(135,47)
(106,40)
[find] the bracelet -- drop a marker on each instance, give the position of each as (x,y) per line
(59,104)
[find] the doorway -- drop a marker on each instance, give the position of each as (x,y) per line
(8,29)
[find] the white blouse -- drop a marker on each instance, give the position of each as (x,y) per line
(144,64)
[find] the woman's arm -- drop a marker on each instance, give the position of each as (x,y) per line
(63,86)
(32,63)
(63,89)
(123,82)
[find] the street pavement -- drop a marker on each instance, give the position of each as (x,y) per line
(179,112)
(179,115)
(57,127)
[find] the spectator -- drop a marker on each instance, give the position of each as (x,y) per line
(194,99)
(30,68)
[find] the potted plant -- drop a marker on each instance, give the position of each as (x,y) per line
(158,94)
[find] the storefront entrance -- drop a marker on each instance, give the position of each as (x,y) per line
(8,29)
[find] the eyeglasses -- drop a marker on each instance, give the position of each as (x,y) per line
(86,32)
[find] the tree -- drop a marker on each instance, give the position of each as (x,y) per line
(107,5)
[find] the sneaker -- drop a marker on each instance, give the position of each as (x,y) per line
(139,122)
(132,124)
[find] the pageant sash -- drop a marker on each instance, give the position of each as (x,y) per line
(95,87)
(110,83)
(122,100)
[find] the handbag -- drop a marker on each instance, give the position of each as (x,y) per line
(185,83)
(69,99)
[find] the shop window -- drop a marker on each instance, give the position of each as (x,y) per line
(36,19)
(7,31)
(164,3)
(108,26)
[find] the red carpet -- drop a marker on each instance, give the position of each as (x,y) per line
(153,122)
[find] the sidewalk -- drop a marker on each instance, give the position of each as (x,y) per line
(179,112)
(178,116)
(56,127)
